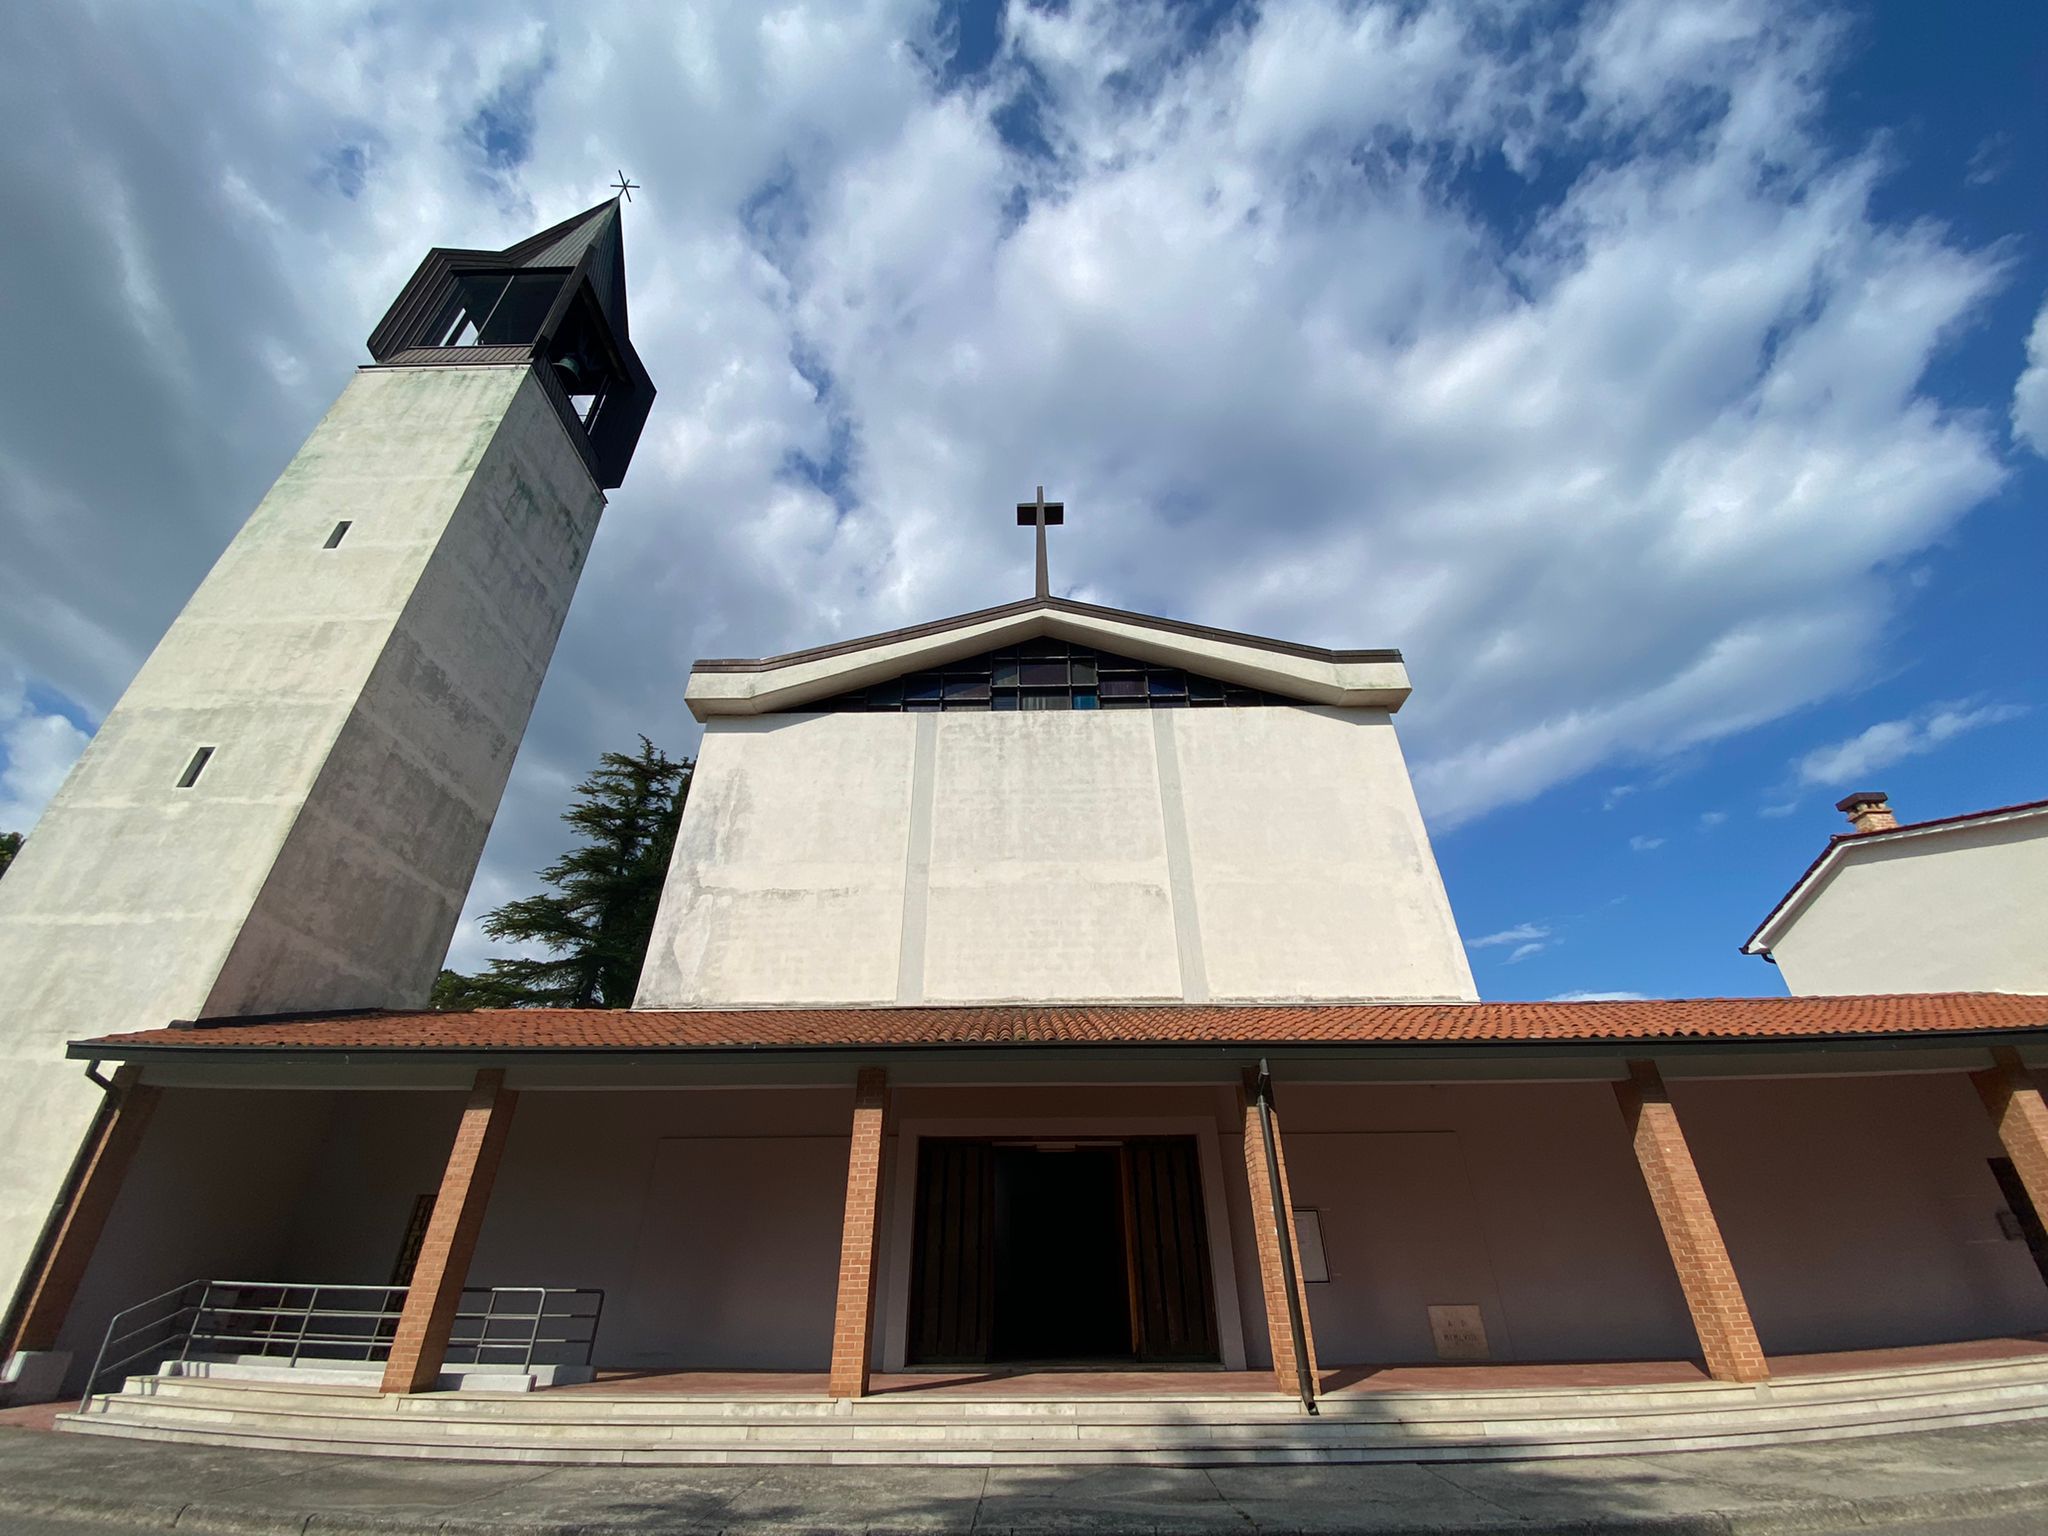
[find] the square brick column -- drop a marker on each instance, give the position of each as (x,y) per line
(853,1324)
(109,1148)
(1266,1230)
(420,1342)
(2013,1100)
(1720,1316)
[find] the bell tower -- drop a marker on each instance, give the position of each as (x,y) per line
(285,809)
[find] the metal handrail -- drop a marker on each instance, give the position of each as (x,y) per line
(287,1318)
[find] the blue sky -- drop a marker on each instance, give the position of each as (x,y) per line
(1655,373)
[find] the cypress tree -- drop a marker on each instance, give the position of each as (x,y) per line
(593,927)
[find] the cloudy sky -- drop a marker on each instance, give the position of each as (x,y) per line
(1667,378)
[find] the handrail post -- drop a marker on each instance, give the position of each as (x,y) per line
(305,1322)
(198,1313)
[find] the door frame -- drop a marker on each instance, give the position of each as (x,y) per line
(902,1215)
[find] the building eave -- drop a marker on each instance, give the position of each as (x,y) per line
(1358,679)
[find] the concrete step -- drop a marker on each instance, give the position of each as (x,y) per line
(856,1432)
(1214,1429)
(1410,1408)
(686,1454)
(1734,1407)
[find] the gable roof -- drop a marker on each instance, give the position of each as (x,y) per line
(1375,679)
(597,232)
(1830,858)
(555,1030)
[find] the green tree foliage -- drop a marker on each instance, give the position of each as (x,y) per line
(594,926)
(10,845)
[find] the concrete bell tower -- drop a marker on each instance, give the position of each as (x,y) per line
(285,809)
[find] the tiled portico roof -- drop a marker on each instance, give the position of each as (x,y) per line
(590,1029)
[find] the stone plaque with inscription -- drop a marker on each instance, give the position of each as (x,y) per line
(1460,1333)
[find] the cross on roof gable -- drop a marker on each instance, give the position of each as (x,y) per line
(804,680)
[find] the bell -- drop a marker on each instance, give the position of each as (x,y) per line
(571,373)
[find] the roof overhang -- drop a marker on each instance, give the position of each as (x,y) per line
(1080,1029)
(1849,845)
(781,684)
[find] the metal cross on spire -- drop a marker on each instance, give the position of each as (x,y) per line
(625,188)
(1041,514)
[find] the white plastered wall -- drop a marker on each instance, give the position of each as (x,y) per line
(364,703)
(1519,1198)
(1860,1211)
(1244,854)
(1952,909)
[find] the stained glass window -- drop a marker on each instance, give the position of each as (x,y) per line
(1047,674)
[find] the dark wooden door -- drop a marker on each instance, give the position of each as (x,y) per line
(1173,1299)
(952,1278)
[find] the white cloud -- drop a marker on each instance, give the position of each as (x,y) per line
(1253,317)
(1600,997)
(1891,740)
(37,748)
(1524,951)
(1643,844)
(2030,394)
(1521,933)
(1711,819)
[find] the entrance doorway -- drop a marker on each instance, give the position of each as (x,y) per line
(1060,1253)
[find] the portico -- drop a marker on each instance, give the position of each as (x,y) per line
(1482,1198)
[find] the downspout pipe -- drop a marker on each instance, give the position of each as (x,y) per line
(1290,1279)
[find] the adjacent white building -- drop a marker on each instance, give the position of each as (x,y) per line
(1956,903)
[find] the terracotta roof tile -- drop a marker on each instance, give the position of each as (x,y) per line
(574,1029)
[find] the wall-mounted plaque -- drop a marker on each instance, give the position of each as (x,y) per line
(1460,1333)
(1308,1231)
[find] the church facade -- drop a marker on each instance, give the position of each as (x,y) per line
(1045,988)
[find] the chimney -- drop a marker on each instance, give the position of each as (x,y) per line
(1868,811)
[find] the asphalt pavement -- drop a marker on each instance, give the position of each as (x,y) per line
(1989,1481)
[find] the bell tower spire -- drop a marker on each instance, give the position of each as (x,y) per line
(285,809)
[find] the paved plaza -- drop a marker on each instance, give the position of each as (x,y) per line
(1995,1478)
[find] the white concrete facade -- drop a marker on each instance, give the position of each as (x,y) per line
(363,704)
(1956,907)
(1242,854)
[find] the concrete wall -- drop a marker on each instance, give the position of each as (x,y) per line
(364,704)
(710,1218)
(1860,1211)
(1256,854)
(1520,1199)
(1959,909)
(216,1192)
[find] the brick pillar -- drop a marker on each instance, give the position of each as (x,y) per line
(1720,1316)
(1272,1280)
(853,1323)
(420,1342)
(2013,1100)
(111,1144)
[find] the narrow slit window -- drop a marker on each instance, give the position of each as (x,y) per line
(340,532)
(194,768)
